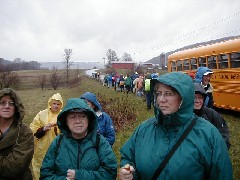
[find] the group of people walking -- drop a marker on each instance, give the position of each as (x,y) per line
(184,139)
(130,83)
(135,84)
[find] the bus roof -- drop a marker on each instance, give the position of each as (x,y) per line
(207,50)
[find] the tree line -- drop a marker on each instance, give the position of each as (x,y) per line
(112,56)
(8,76)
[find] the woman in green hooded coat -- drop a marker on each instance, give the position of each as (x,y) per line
(16,138)
(80,152)
(203,153)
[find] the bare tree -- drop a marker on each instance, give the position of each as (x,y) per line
(42,78)
(54,79)
(111,56)
(8,79)
(126,57)
(67,57)
(15,80)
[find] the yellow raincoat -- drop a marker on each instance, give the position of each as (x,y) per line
(41,145)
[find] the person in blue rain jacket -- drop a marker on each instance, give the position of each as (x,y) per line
(105,124)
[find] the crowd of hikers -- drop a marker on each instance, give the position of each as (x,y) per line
(185,139)
(138,84)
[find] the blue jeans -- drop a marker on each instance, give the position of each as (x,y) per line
(148,99)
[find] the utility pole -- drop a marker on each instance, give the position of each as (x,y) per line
(104,62)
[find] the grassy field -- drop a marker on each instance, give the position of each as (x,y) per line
(35,100)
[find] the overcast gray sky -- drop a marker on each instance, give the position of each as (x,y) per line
(40,30)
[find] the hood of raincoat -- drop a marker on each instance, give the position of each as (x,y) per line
(20,112)
(200,72)
(199,89)
(77,105)
(91,97)
(184,86)
(56,97)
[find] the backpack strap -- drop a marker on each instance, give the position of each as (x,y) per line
(172,151)
(59,141)
(97,142)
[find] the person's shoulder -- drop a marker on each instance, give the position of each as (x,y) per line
(106,115)
(26,128)
(25,131)
(145,127)
(148,123)
(205,127)
(211,112)
(202,123)
(43,111)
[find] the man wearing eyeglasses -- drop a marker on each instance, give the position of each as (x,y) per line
(210,114)
(16,138)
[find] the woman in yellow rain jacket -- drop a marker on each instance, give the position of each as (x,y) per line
(45,129)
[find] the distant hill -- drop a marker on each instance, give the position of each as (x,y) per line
(75,65)
(60,65)
(162,57)
(3,61)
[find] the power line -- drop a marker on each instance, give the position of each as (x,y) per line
(209,28)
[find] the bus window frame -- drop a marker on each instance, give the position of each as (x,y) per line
(186,65)
(223,61)
(209,63)
(200,58)
(233,60)
(175,66)
(195,64)
(179,62)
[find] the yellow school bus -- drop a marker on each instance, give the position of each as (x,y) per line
(223,59)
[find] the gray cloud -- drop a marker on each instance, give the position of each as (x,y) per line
(40,29)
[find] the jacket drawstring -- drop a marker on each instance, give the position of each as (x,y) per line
(19,127)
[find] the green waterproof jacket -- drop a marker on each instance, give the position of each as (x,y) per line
(17,146)
(202,155)
(89,159)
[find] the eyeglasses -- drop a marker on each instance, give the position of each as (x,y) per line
(4,103)
(166,95)
(77,116)
(199,98)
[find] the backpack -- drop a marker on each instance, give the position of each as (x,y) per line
(140,83)
(147,85)
(128,81)
(121,83)
(96,146)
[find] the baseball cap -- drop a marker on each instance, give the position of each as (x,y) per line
(208,72)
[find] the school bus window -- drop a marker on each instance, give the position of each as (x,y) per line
(174,67)
(212,62)
(186,64)
(223,61)
(202,61)
(179,65)
(235,60)
(193,63)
